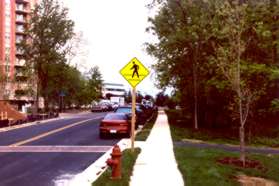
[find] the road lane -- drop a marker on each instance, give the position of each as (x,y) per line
(62,154)
(85,134)
(30,169)
(56,148)
(16,135)
(49,133)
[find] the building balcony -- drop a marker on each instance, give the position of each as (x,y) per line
(20,92)
(18,41)
(19,74)
(22,1)
(19,53)
(19,63)
(21,10)
(20,21)
(21,78)
(20,32)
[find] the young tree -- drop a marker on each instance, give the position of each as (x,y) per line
(231,18)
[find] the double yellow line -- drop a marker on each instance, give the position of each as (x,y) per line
(49,133)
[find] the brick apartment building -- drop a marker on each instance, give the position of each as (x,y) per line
(14,15)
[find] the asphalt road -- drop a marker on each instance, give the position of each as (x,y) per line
(45,153)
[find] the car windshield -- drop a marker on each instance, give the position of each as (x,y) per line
(115,117)
(124,110)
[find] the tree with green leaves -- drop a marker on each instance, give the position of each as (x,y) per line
(180,27)
(94,84)
(212,53)
(232,20)
(49,31)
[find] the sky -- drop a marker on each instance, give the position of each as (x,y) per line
(114,33)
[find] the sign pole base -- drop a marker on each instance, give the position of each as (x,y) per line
(133,118)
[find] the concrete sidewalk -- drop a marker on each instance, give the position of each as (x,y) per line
(156,164)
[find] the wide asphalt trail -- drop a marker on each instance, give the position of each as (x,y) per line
(44,168)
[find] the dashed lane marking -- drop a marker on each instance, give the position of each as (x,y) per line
(50,132)
(76,149)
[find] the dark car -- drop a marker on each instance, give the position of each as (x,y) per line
(115,123)
(124,109)
(140,118)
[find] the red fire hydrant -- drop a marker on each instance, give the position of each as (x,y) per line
(115,162)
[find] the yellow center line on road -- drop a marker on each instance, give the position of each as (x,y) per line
(49,133)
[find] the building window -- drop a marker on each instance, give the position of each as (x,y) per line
(20,7)
(19,17)
(19,39)
(19,28)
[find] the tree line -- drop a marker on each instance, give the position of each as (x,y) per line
(221,59)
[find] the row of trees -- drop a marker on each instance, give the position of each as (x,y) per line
(50,43)
(221,58)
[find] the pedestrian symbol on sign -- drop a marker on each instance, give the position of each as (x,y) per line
(136,68)
(134,72)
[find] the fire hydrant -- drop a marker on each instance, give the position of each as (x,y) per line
(115,162)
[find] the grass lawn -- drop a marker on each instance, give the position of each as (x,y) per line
(128,161)
(182,129)
(144,133)
(199,167)
(179,133)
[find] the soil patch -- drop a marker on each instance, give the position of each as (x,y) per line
(250,181)
(235,161)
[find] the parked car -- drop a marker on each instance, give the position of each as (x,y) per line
(115,105)
(140,117)
(115,123)
(99,107)
(124,109)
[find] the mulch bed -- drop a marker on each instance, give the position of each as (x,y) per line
(235,161)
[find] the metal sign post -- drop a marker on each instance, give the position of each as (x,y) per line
(133,118)
(134,72)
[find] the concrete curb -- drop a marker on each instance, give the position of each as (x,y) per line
(96,169)
(92,173)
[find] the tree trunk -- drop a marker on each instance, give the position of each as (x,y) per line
(46,103)
(195,93)
(37,99)
(242,144)
(240,96)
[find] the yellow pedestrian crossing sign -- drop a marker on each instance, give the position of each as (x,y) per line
(134,72)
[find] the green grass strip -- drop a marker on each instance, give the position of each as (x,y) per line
(128,161)
(199,167)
